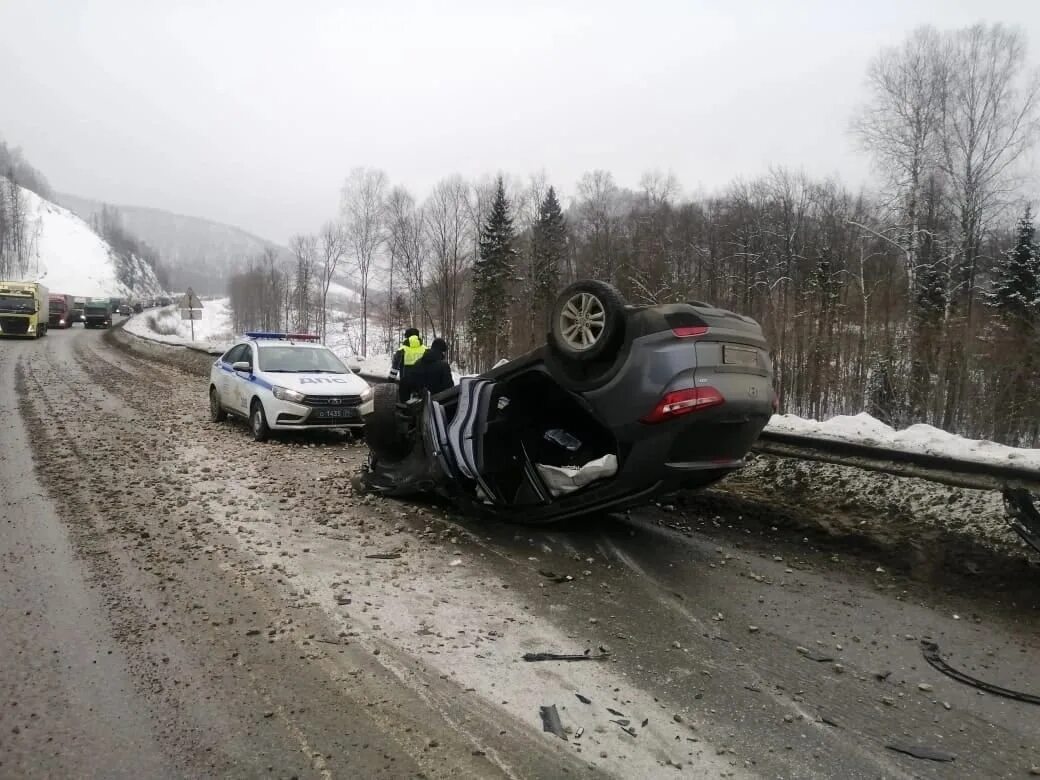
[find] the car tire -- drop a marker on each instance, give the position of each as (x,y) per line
(382,432)
(216,411)
(587,320)
(258,421)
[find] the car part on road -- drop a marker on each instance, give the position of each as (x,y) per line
(623,725)
(565,657)
(551,721)
(931,655)
(922,751)
(557,578)
(1022,515)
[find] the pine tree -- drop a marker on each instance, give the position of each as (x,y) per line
(548,248)
(1016,283)
(493,275)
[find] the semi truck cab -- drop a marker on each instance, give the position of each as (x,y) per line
(60,311)
(23,309)
(97,314)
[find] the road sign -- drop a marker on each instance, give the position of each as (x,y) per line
(191,314)
(190,301)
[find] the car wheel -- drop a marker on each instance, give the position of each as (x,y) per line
(216,411)
(258,421)
(382,432)
(587,319)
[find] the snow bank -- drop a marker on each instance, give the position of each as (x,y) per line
(72,259)
(165,325)
(921,439)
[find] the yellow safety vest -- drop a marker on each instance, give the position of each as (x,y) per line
(413,350)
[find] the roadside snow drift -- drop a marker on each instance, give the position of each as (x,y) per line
(922,439)
(165,325)
(72,259)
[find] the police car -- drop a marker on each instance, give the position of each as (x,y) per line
(286,382)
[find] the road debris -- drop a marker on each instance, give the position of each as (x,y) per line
(931,655)
(623,725)
(583,699)
(812,655)
(390,556)
(551,721)
(615,712)
(922,751)
(586,656)
(557,578)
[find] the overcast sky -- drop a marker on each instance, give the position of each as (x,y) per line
(252,112)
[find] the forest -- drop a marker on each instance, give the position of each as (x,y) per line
(916,299)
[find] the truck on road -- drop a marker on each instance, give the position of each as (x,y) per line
(60,311)
(23,309)
(77,309)
(97,313)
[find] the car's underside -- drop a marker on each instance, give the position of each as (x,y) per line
(549,435)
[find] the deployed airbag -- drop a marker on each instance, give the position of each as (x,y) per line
(566,479)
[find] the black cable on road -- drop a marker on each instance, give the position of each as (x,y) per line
(931,655)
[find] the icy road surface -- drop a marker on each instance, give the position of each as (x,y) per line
(180,601)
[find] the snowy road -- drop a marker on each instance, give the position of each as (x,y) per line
(238,628)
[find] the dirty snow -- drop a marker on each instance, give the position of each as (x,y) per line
(438,603)
(923,439)
(71,259)
(890,510)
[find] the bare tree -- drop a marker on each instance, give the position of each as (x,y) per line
(990,122)
(408,250)
(901,126)
(305,250)
(449,235)
(363,206)
(659,188)
(330,253)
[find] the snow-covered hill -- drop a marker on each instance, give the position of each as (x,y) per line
(70,258)
(198,252)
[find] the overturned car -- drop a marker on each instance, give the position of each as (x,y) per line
(622,404)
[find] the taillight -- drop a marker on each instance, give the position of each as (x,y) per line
(680,402)
(690,331)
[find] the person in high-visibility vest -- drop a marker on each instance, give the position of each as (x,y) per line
(404,361)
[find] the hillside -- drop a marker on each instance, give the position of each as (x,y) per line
(197,252)
(70,258)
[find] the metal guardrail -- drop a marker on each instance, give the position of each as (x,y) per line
(956,472)
(1017,485)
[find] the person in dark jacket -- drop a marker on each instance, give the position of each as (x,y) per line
(434,373)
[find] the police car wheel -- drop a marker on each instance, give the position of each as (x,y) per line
(258,422)
(216,411)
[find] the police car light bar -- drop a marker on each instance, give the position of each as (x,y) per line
(263,334)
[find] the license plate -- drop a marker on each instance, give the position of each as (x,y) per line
(339,414)
(739,356)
